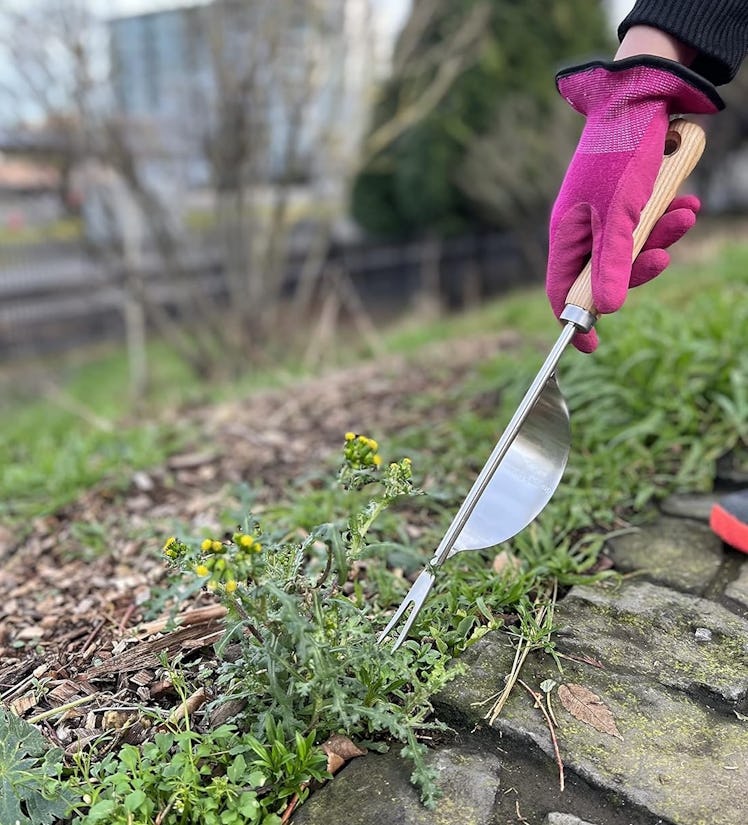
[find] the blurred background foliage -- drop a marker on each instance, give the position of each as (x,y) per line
(492,150)
(243,183)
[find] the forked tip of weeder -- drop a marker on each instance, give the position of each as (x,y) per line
(405,628)
(415,597)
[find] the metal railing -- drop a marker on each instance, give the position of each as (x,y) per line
(57,297)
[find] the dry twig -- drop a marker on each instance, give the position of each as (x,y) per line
(539,703)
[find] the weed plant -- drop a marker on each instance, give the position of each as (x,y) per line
(221,776)
(652,411)
(304,665)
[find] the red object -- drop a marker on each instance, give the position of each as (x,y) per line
(15,221)
(729,520)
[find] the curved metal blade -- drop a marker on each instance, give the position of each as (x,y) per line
(526,478)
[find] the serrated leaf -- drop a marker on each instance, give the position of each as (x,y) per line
(10,809)
(30,793)
(45,811)
(24,736)
(589,708)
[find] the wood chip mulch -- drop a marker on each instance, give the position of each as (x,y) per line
(76,651)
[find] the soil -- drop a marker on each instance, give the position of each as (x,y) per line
(76,589)
(530,789)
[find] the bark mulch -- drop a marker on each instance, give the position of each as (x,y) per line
(78,649)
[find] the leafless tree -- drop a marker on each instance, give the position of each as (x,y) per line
(53,50)
(272,115)
(513,172)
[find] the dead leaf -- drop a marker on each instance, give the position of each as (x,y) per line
(589,708)
(505,561)
(334,763)
(340,749)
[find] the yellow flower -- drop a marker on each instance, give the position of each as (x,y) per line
(257,547)
(206,545)
(230,586)
(216,546)
(169,542)
(246,541)
(372,444)
(377,460)
(350,436)
(202,570)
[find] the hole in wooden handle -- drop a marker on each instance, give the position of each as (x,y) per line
(672,143)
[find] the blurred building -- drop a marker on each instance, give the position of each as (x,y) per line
(28,192)
(297,78)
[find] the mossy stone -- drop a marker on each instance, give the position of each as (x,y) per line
(654,631)
(683,754)
(376,789)
(680,553)
(737,590)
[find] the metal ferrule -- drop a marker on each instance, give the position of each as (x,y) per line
(582,318)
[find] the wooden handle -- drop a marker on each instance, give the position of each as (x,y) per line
(684,145)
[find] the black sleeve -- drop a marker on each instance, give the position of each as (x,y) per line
(717,29)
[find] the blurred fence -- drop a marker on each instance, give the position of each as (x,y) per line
(55,297)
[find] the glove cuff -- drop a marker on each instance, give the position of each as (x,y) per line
(639,78)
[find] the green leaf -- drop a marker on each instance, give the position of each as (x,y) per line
(129,757)
(248,804)
(134,800)
(10,808)
(32,793)
(101,810)
(236,769)
(163,742)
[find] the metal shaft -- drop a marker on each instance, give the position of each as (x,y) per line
(503,444)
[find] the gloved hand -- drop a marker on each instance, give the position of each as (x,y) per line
(628,104)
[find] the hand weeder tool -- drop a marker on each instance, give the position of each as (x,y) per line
(527,463)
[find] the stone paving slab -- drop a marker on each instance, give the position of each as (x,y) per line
(680,641)
(483,782)
(679,553)
(375,789)
(680,757)
(737,590)
(696,506)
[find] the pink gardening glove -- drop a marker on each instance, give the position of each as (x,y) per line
(611,176)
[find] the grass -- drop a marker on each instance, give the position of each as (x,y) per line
(666,394)
(62,229)
(57,440)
